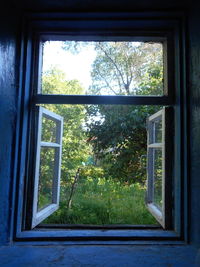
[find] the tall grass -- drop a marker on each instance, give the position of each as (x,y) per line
(103,201)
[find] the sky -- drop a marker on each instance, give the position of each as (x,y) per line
(76,66)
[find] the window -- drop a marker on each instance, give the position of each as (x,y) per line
(160,158)
(47,180)
(163,171)
(116,68)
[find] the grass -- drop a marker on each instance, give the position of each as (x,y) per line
(100,202)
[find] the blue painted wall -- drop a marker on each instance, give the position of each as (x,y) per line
(9,73)
(194,91)
(8,100)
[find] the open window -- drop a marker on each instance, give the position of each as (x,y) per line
(159,165)
(144,94)
(118,69)
(48,164)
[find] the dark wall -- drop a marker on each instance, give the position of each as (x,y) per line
(8,100)
(102,5)
(9,73)
(194,91)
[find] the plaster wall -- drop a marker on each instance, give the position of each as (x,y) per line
(9,74)
(194,94)
(102,5)
(8,108)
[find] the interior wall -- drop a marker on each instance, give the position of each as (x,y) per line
(103,5)
(8,100)
(194,93)
(9,73)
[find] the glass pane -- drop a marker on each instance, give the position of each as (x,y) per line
(158,131)
(49,128)
(103,177)
(46,176)
(157,199)
(102,68)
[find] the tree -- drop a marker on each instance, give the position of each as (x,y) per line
(119,139)
(118,133)
(119,136)
(75,149)
(120,67)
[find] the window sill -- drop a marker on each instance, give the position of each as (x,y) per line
(101,236)
(27,255)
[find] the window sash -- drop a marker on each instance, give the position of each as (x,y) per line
(163,215)
(168,97)
(38,216)
(106,100)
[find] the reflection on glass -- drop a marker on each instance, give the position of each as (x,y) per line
(102,68)
(157,178)
(47,163)
(48,130)
(158,131)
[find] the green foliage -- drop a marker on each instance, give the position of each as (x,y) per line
(75,149)
(119,136)
(158,177)
(47,159)
(120,67)
(54,81)
(152,83)
(92,173)
(119,139)
(109,139)
(103,201)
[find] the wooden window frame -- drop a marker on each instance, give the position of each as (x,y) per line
(163,215)
(38,216)
(135,26)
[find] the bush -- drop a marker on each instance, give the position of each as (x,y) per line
(101,201)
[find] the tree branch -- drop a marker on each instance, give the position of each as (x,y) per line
(115,65)
(107,83)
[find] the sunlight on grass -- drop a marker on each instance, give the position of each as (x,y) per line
(101,202)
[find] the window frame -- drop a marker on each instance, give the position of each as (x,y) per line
(39,216)
(164,214)
(109,24)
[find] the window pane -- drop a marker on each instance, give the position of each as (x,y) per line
(49,128)
(46,176)
(102,68)
(157,199)
(158,131)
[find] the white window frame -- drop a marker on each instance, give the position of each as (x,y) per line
(163,215)
(38,216)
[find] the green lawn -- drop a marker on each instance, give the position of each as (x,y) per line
(101,201)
